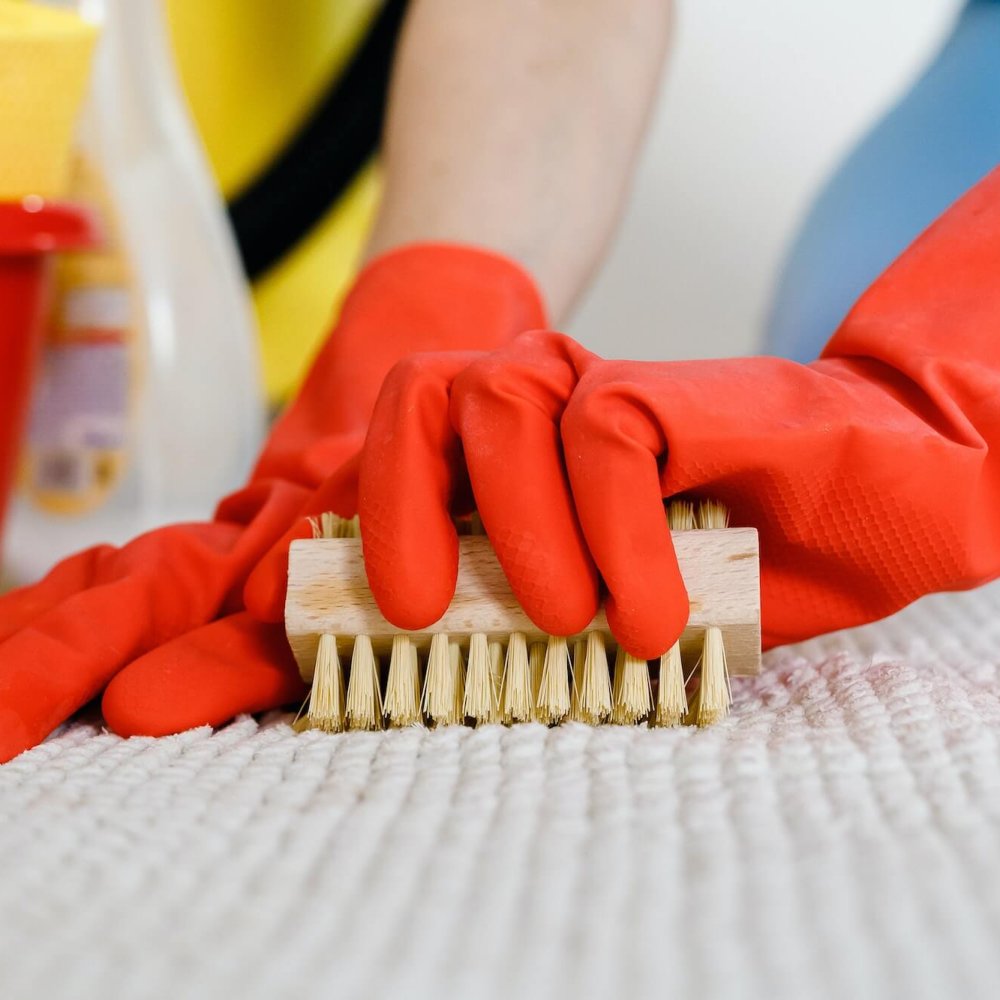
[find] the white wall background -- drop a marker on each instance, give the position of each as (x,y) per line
(760,100)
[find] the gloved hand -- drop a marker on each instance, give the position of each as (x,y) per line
(162,618)
(873,474)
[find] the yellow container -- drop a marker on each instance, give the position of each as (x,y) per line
(44,65)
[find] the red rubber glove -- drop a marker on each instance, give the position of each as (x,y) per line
(873,474)
(162,618)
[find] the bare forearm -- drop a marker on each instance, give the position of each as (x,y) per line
(515,126)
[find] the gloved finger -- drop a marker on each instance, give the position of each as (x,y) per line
(613,448)
(411,468)
(267,584)
(156,588)
(205,677)
(22,606)
(506,407)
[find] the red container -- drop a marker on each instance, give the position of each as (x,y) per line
(31,230)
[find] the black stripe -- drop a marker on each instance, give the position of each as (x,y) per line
(315,168)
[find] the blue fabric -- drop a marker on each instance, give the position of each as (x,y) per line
(941,138)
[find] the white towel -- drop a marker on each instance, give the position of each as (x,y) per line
(839,836)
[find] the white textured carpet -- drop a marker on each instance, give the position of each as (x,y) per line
(838,837)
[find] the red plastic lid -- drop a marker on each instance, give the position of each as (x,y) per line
(34,225)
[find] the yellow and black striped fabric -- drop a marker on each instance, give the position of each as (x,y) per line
(289,100)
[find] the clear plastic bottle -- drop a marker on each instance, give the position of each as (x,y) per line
(191,417)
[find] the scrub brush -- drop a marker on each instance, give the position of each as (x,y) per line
(484,661)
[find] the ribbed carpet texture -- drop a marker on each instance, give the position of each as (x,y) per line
(839,836)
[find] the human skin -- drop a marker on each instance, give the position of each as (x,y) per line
(516,125)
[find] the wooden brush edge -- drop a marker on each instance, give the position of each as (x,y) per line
(328,593)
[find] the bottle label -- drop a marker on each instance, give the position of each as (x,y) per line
(78,434)
(83,403)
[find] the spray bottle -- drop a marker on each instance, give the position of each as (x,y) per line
(149,407)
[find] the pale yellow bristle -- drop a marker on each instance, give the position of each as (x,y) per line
(330,525)
(326,697)
(496,672)
(632,692)
(671,699)
(457,666)
(480,696)
(416,676)
(712,514)
(516,703)
(579,654)
(552,703)
(402,687)
(616,682)
(439,682)
(364,702)
(593,683)
(536,665)
(680,515)
(713,698)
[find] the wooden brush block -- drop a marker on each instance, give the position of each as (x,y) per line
(328,593)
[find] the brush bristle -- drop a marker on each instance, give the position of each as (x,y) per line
(326,698)
(712,514)
(576,670)
(364,701)
(535,681)
(402,687)
(496,672)
(480,697)
(671,698)
(713,698)
(536,669)
(632,691)
(593,683)
(417,678)
(439,683)
(552,702)
(517,680)
(330,525)
(457,666)
(681,516)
